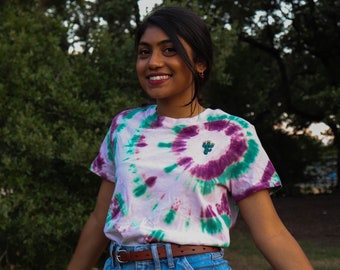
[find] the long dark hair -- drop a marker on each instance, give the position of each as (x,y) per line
(180,22)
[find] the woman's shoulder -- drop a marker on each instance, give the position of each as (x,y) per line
(129,112)
(133,114)
(215,114)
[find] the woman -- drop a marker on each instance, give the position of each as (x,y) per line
(176,173)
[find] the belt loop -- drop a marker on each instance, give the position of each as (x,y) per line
(155,257)
(111,254)
(116,248)
(169,256)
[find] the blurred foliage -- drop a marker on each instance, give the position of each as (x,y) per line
(55,110)
(67,67)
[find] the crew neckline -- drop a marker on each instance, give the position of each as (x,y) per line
(168,121)
(197,116)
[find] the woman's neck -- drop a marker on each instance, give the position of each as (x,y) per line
(181,111)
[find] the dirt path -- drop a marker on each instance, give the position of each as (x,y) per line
(315,218)
(311,219)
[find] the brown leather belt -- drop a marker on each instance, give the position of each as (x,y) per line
(126,256)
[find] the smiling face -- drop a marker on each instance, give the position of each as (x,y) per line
(161,71)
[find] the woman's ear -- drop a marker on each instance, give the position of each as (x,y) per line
(200,67)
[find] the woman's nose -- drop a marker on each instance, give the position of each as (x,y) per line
(155,60)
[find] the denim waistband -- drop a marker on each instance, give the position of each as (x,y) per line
(153,247)
(114,247)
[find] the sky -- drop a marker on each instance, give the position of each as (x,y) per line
(146,6)
(319,129)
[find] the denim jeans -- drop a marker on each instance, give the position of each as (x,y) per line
(213,260)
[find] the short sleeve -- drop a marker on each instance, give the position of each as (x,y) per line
(103,164)
(260,173)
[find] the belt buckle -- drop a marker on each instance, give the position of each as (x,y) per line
(117,255)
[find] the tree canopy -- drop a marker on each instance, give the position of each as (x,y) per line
(67,67)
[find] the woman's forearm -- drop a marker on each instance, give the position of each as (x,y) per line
(282,251)
(90,246)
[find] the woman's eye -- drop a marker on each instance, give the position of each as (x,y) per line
(169,51)
(143,52)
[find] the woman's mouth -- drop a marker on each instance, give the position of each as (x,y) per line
(158,79)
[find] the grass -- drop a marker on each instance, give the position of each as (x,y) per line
(243,254)
(322,256)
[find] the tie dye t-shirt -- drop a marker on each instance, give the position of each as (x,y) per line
(178,180)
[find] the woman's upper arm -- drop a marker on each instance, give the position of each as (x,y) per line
(260,215)
(270,234)
(103,200)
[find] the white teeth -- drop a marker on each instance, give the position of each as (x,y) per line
(158,78)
